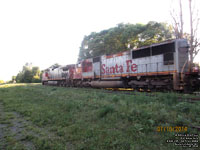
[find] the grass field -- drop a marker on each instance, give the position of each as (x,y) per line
(33,116)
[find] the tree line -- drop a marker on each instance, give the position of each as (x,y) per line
(29,74)
(123,37)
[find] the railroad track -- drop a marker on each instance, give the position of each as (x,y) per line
(152,94)
(130,91)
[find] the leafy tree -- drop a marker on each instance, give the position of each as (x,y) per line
(36,74)
(29,74)
(123,37)
(19,77)
(36,79)
(13,78)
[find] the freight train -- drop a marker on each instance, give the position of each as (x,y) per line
(161,66)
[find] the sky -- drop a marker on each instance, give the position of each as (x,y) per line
(45,32)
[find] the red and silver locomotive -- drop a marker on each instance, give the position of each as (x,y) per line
(158,66)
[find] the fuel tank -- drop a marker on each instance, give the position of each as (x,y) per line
(107,84)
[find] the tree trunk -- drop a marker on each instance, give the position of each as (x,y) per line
(181,19)
(192,36)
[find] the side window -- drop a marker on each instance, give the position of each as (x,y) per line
(163,49)
(141,53)
(96,59)
(168,58)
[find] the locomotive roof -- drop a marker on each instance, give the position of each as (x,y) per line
(156,44)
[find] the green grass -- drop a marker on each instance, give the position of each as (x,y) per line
(89,119)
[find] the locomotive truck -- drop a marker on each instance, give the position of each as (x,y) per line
(158,66)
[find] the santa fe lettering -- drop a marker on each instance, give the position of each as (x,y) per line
(118,68)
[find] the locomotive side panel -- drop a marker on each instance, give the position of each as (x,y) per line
(116,65)
(55,74)
(152,65)
(157,59)
(77,73)
(182,51)
(97,67)
(87,69)
(136,63)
